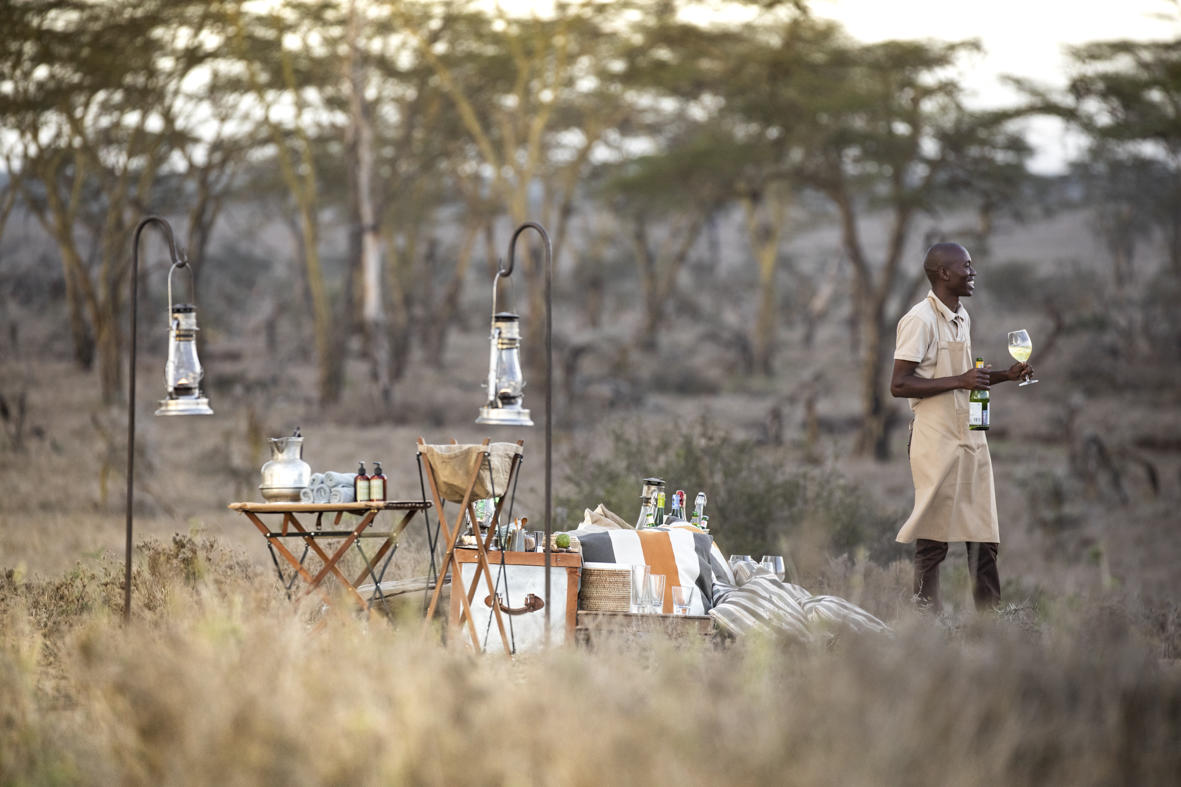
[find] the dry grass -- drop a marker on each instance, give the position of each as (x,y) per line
(219,679)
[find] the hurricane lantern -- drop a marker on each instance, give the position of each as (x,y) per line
(183,372)
(506,382)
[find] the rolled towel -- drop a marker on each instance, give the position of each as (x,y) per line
(316,478)
(338,479)
(321,493)
(341,494)
(305,495)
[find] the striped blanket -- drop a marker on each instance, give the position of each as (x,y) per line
(682,553)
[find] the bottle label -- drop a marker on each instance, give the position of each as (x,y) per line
(362,490)
(976,416)
(376,489)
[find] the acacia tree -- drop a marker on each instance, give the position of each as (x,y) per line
(300,88)
(94,103)
(767,92)
(1126,96)
(512,80)
(663,201)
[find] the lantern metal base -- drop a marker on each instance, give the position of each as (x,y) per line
(514,415)
(185,405)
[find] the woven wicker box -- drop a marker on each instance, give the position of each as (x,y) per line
(606,587)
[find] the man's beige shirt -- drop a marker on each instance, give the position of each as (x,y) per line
(918,334)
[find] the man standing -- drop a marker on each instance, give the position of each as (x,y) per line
(954,498)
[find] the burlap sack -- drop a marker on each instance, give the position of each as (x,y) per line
(452,465)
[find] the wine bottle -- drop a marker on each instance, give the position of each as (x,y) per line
(361,484)
(978,406)
(377,483)
(659,518)
(699,510)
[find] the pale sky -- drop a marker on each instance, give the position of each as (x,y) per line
(1021,37)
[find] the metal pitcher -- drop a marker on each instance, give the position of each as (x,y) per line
(286,473)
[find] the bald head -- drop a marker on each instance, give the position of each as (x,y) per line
(940,256)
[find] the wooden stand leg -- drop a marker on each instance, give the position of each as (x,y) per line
(450,561)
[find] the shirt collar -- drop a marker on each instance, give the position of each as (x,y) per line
(957,316)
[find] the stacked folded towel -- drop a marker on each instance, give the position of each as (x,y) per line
(328,487)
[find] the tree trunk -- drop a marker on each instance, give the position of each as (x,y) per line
(872,435)
(446,310)
(372,304)
(764,223)
(80,333)
(110,352)
(659,272)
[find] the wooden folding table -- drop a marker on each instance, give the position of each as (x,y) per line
(290,527)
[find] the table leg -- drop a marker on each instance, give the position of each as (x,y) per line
(391,541)
(331,561)
(277,544)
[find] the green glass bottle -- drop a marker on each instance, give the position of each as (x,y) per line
(978,406)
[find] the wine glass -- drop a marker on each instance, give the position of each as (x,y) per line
(736,559)
(1020,347)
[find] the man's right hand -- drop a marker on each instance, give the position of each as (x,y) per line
(975,379)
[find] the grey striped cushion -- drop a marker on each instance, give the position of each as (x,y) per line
(835,612)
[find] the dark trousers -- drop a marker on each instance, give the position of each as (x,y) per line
(986,581)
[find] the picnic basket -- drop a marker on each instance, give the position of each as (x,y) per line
(606,587)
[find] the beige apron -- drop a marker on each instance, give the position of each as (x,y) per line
(954,497)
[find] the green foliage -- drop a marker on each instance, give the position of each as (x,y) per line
(758,495)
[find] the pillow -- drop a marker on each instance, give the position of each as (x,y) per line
(782,619)
(735,621)
(602,519)
(682,554)
(836,612)
(746,570)
(772,589)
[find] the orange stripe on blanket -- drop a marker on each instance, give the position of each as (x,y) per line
(658,553)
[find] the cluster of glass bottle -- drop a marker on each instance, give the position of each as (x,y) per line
(652,507)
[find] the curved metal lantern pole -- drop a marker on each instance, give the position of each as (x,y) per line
(505,272)
(178,261)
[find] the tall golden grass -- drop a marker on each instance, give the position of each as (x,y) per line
(220,679)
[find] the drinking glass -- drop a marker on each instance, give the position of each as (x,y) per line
(655,597)
(1020,347)
(774,563)
(639,588)
(682,598)
(539,540)
(736,559)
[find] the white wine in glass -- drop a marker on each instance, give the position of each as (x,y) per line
(1020,347)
